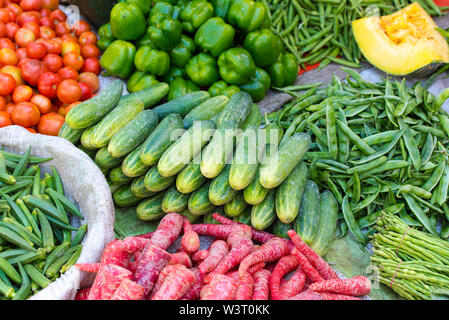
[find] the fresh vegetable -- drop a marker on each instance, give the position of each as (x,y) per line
(118,58)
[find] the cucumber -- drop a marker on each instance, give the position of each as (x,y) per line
(289,193)
(255,193)
(132,166)
(191,217)
(280,229)
(280,164)
(264,214)
(236,206)
(89,152)
(220,192)
(151,209)
(138,188)
(327,225)
(133,134)
(206,110)
(199,203)
(123,113)
(155,182)
(123,197)
(237,108)
(254,118)
(73,135)
(89,112)
(182,105)
(160,139)
(149,96)
(104,160)
(245,217)
(183,150)
(117,176)
(190,178)
(86,139)
(306,223)
(273,134)
(174,201)
(207,218)
(113,186)
(217,153)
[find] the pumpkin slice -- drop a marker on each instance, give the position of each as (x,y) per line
(402,43)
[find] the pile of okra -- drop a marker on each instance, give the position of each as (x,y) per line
(36,243)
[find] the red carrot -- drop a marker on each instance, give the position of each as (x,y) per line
(261,289)
(167,231)
(200,255)
(283,266)
(307,295)
(146,235)
(294,285)
(355,286)
(132,266)
(222,219)
(190,241)
(181,258)
(307,267)
(256,267)
(194,291)
(269,251)
(112,277)
(128,290)
(119,252)
(241,245)
(161,278)
(324,269)
(88,267)
(335,296)
(245,285)
(175,284)
(221,287)
(82,294)
(217,251)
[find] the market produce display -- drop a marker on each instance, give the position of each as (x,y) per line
(47,65)
(36,240)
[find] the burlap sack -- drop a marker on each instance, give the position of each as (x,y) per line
(86,186)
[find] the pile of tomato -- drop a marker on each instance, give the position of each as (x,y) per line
(46,66)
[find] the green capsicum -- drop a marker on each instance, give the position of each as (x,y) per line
(173,2)
(174,72)
(221,7)
(195,14)
(127,21)
(247,15)
(258,85)
(164,31)
(179,87)
(164,7)
(140,80)
(148,59)
(144,5)
(264,46)
(284,71)
(143,41)
(182,4)
(236,66)
(202,69)
(215,36)
(117,59)
(181,54)
(105,36)
(221,88)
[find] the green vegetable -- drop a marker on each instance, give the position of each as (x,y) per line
(182,105)
(182,52)
(123,197)
(190,178)
(151,208)
(127,21)
(206,110)
(202,69)
(164,31)
(199,203)
(264,213)
(258,85)
(155,182)
(236,66)
(222,88)
(174,201)
(105,36)
(247,15)
(284,71)
(215,36)
(220,192)
(264,46)
(140,80)
(195,14)
(149,59)
(179,87)
(118,58)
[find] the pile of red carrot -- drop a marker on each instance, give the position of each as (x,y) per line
(232,268)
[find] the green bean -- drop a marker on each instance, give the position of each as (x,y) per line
(356,189)
(368,166)
(351,221)
(435,177)
(443,187)
(417,210)
(331,132)
(414,190)
(355,139)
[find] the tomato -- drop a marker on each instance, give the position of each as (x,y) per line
(22,93)
(68,73)
(31,130)
(86,91)
(5,16)
(69,91)
(47,22)
(69,46)
(48,84)
(45,12)
(21,53)
(2,30)
(7,43)
(36,50)
(2,103)
(46,32)
(31,70)
(42,102)
(15,72)
(24,36)
(34,27)
(25,114)
(5,119)
(8,83)
(50,124)
(69,37)
(8,57)
(73,60)
(28,16)
(11,29)
(87,37)
(91,65)
(10,107)
(58,16)
(15,9)
(80,27)
(53,62)
(29,5)
(90,51)
(52,46)
(91,80)
(61,28)
(71,106)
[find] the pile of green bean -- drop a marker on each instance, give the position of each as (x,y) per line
(320,30)
(36,244)
(413,263)
(376,146)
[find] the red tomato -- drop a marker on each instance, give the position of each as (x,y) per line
(11,29)
(73,60)
(31,130)
(80,27)
(86,92)
(47,22)
(7,43)
(61,29)
(8,57)
(87,37)
(91,80)
(31,70)
(8,83)
(71,106)
(15,72)
(50,4)
(52,46)
(2,103)
(24,36)
(25,114)
(69,91)
(5,119)
(28,16)
(5,16)
(68,73)
(90,51)
(91,65)
(53,62)
(50,124)
(2,30)
(21,53)
(36,50)
(15,9)
(42,102)
(22,93)
(45,12)
(34,27)
(46,32)
(58,15)
(10,107)
(69,46)
(29,5)
(48,84)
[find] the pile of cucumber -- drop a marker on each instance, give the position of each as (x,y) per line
(179,156)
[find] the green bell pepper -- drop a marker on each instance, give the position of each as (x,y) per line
(181,54)
(264,46)
(221,7)
(144,41)
(215,36)
(247,15)
(117,59)
(182,4)
(174,72)
(284,71)
(127,21)
(202,69)
(236,66)
(140,80)
(221,88)
(164,31)
(148,59)
(195,14)
(258,85)
(173,2)
(164,7)
(179,87)
(105,36)
(144,5)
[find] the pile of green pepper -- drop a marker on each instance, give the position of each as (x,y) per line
(221,45)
